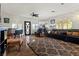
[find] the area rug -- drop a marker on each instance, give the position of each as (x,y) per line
(44,46)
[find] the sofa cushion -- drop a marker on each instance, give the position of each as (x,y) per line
(69,33)
(75,33)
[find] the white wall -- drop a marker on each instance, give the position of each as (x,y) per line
(17,20)
(6,16)
(73,16)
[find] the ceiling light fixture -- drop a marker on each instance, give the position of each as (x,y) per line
(34,14)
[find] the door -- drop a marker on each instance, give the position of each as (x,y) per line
(27,27)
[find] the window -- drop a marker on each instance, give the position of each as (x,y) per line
(14,25)
(67,24)
(59,25)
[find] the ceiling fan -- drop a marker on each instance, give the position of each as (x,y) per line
(34,14)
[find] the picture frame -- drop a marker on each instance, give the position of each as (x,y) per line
(52,21)
(6,20)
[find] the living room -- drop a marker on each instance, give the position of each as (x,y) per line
(40,29)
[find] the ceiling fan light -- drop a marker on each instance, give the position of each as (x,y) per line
(62,3)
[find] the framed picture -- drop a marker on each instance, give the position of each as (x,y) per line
(6,20)
(52,21)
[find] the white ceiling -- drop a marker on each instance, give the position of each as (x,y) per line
(43,9)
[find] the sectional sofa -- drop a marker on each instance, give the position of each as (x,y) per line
(65,35)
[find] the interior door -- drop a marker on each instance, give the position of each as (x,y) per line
(27,27)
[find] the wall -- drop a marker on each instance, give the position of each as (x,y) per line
(73,16)
(17,20)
